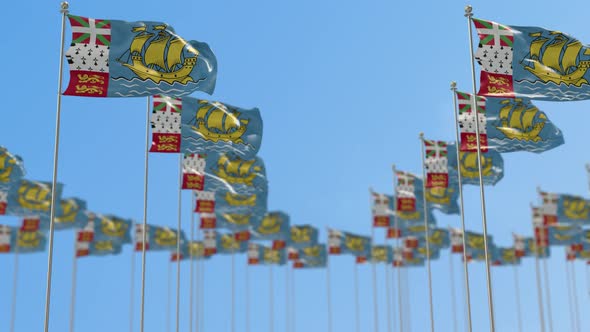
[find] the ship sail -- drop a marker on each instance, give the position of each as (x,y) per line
(528,117)
(245,167)
(552,54)
(138,42)
(515,118)
(154,55)
(570,56)
(175,53)
(233,166)
(231,122)
(536,47)
(215,119)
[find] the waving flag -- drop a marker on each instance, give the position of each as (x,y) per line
(100,248)
(382,209)
(259,254)
(158,238)
(109,227)
(442,192)
(11,169)
(381,254)
(111,58)
(348,243)
(520,61)
(409,200)
(72,215)
(492,166)
(194,250)
(547,213)
(303,236)
(573,209)
(506,125)
(220,243)
(521,248)
(437,238)
(475,242)
(312,257)
(563,235)
(165,123)
(7,238)
(421,252)
(505,257)
(32,198)
(30,242)
(456,238)
(214,127)
(274,226)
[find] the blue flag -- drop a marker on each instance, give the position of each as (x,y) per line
(104,248)
(303,236)
(73,214)
(492,166)
(563,235)
(348,243)
(11,170)
(274,226)
(312,257)
(32,198)
(381,254)
(158,238)
(30,242)
(573,209)
(110,227)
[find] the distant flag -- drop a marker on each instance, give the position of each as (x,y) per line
(312,257)
(442,191)
(531,62)
(158,238)
(292,253)
(303,236)
(111,58)
(421,252)
(8,236)
(505,257)
(210,239)
(409,196)
(11,169)
(475,242)
(109,227)
(437,238)
(262,255)
(193,171)
(381,254)
(398,257)
(382,209)
(275,226)
(83,239)
(30,242)
(573,209)
(492,166)
(348,243)
(165,123)
(547,212)
(223,243)
(456,237)
(564,235)
(215,127)
(27,198)
(103,248)
(521,249)
(506,125)
(190,250)
(73,214)
(414,261)
(34,223)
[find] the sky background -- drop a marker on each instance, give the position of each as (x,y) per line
(344,88)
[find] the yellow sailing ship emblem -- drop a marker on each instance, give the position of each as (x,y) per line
(436,237)
(271,224)
(161,57)
(439,195)
(113,227)
(70,210)
(517,121)
(237,219)
(215,122)
(237,171)
(34,196)
(312,251)
(104,246)
(557,59)
(475,241)
(29,239)
(240,200)
(271,256)
(165,237)
(228,242)
(468,165)
(379,254)
(196,249)
(576,208)
(354,243)
(300,234)
(6,166)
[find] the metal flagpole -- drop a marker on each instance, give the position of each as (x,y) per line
(569,298)
(517,291)
(247,297)
(548,291)
(294,305)
(192,267)
(169,297)
(575,293)
(179,225)
(375,296)
(387,292)
(271,317)
(453,299)
(287,304)
(14,288)
(539,289)
(397,245)
(233,292)
(145,203)
(73,292)
(356,298)
(427,235)
(64,9)
(408,299)
(202,294)
(469,15)
(465,262)
(132,290)
(329,295)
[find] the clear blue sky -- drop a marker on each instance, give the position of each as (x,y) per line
(344,88)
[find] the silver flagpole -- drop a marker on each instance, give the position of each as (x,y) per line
(329,295)
(569,298)
(575,293)
(469,15)
(356,298)
(247,297)
(145,206)
(64,9)
(453,297)
(294,305)
(387,298)
(427,235)
(548,291)
(465,263)
(192,266)
(539,289)
(179,225)
(73,292)
(169,298)
(408,299)
(14,288)
(517,291)
(287,304)
(271,317)
(397,245)
(233,292)
(375,296)
(202,293)
(132,290)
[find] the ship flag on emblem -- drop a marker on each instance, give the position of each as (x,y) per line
(437,238)
(112,58)
(99,248)
(224,243)
(73,214)
(215,127)
(32,198)
(303,236)
(492,166)
(158,238)
(11,171)
(506,125)
(521,248)
(442,191)
(229,172)
(110,227)
(8,236)
(348,243)
(533,62)
(381,254)
(165,123)
(194,250)
(409,200)
(421,252)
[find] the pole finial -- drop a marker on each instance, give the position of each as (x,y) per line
(468,11)
(453,85)
(421,135)
(64,7)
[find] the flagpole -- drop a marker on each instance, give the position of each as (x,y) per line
(539,289)
(575,293)
(427,234)
(132,289)
(569,297)
(375,299)
(64,9)
(397,245)
(469,15)
(388,291)
(356,298)
(453,297)
(271,299)
(548,291)
(233,292)
(287,304)
(294,305)
(329,295)
(465,263)
(73,292)
(408,299)
(517,291)
(247,297)
(192,266)
(169,297)
(179,225)
(14,288)
(145,226)
(202,292)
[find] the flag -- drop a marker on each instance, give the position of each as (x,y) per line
(165,123)
(456,239)
(218,128)
(563,235)
(30,242)
(414,261)
(32,198)
(381,254)
(382,209)
(475,242)
(158,238)
(421,252)
(437,238)
(547,213)
(505,257)
(259,254)
(520,61)
(442,192)
(11,170)
(492,166)
(348,243)
(274,226)
(506,125)
(303,236)
(72,215)
(573,209)
(109,227)
(410,200)
(7,238)
(112,58)
(103,248)
(83,239)
(521,248)
(220,243)
(312,257)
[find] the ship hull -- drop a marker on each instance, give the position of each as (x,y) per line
(234,137)
(247,180)
(547,74)
(486,170)
(145,73)
(532,135)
